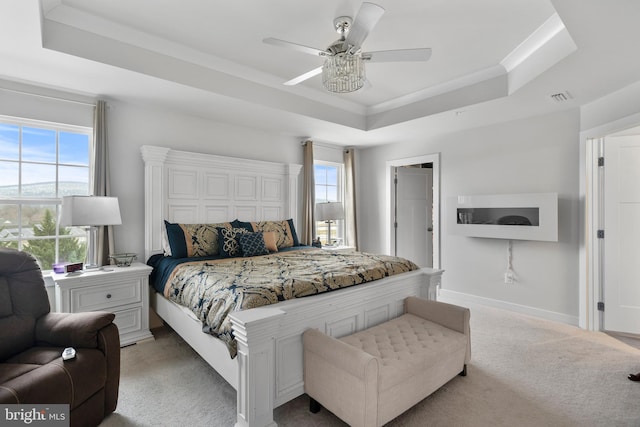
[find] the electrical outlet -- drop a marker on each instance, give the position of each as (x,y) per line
(509,277)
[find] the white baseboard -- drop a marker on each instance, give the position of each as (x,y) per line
(460,298)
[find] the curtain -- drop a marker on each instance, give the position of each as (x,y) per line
(101,185)
(351,237)
(308,195)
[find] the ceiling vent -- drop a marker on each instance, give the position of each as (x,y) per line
(561,97)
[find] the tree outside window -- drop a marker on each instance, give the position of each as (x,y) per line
(39,163)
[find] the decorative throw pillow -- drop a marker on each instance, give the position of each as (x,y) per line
(193,240)
(175,239)
(252,244)
(284,231)
(270,241)
(229,241)
(236,223)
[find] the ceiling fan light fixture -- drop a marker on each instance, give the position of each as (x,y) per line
(343,73)
(343,69)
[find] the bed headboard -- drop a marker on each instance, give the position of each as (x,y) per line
(196,188)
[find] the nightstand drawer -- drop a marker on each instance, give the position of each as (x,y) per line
(104,297)
(129,320)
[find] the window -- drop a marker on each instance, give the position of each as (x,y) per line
(329,188)
(39,163)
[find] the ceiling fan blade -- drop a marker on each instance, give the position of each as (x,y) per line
(367,18)
(295,46)
(399,55)
(304,77)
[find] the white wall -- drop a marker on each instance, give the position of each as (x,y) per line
(328,152)
(534,155)
(130,127)
(29,102)
(537,154)
(616,111)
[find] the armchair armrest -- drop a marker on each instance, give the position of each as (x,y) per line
(78,330)
(109,344)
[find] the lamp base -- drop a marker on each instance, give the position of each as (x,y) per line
(328,232)
(92,248)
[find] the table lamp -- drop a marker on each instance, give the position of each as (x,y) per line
(328,212)
(91,212)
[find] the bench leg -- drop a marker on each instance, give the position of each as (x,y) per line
(463,373)
(314,406)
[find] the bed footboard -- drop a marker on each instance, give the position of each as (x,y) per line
(270,349)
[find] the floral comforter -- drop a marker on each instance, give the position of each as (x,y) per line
(213,289)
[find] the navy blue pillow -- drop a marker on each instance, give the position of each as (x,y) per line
(294,235)
(252,244)
(236,223)
(177,242)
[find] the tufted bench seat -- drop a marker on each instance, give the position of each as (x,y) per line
(374,375)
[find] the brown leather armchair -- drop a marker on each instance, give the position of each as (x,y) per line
(32,340)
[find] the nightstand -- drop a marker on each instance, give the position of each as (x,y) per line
(123,291)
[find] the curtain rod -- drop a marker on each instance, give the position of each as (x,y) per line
(57,98)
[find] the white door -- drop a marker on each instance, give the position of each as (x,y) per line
(622,234)
(414,230)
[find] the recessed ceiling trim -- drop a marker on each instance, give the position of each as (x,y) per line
(557,48)
(73,41)
(90,23)
(73,31)
(49,5)
(475,93)
(535,41)
(431,92)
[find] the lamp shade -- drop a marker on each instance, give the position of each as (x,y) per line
(329,211)
(90,211)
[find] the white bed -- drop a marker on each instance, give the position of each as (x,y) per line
(189,187)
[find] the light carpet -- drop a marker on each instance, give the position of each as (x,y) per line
(524,372)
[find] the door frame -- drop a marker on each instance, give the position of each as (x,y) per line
(434,159)
(591,252)
(591,218)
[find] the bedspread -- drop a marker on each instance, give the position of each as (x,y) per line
(212,289)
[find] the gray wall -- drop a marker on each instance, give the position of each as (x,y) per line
(534,155)
(130,127)
(539,154)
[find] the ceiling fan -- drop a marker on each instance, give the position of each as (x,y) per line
(343,70)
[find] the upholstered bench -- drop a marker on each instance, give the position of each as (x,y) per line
(372,376)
